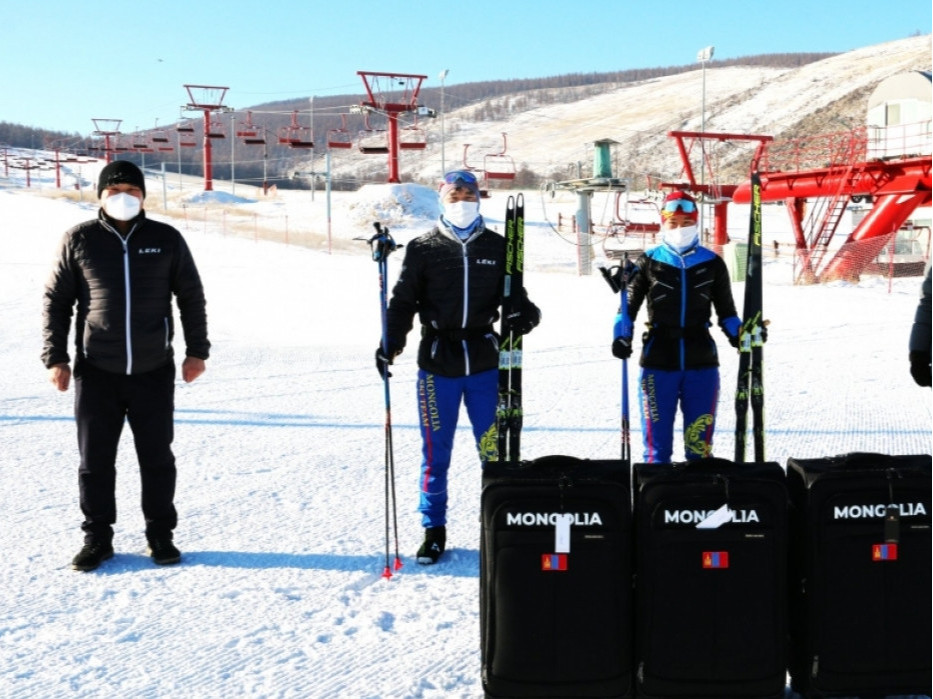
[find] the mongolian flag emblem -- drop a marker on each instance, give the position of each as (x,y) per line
(554,561)
(715,559)
(884,552)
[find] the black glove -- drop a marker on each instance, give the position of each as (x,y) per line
(733,340)
(920,367)
(622,347)
(384,358)
(522,323)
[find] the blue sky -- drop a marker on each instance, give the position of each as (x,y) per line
(65,62)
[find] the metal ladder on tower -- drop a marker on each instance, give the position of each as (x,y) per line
(823,220)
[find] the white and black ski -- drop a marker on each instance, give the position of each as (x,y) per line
(509,407)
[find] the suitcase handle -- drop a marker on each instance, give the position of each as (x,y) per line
(553,460)
(858,459)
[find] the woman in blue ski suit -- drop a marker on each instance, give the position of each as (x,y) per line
(681,282)
(452,278)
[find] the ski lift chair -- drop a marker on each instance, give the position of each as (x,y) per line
(373,141)
(250,133)
(412,137)
(497,165)
(296,136)
(340,138)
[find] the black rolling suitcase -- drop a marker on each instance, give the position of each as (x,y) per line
(860,575)
(556,578)
(711,580)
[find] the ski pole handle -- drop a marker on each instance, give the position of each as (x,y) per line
(609,276)
(382,243)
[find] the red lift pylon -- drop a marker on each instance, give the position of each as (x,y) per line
(108,128)
(393,94)
(208,99)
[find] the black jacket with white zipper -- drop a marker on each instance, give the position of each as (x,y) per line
(455,287)
(122,290)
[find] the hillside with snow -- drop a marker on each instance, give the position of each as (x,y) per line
(551,139)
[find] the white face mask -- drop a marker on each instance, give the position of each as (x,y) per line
(681,239)
(122,206)
(461,213)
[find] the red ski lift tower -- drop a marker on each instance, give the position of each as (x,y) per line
(393,94)
(108,128)
(710,189)
(207,99)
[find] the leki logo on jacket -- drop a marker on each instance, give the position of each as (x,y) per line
(149,251)
(484,261)
(543,519)
(906,509)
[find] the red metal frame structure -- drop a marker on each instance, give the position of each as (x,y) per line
(208,99)
(721,194)
(835,168)
(107,128)
(394,94)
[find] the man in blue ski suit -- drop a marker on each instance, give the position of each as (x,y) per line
(452,278)
(681,281)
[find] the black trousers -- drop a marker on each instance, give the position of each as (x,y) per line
(103,402)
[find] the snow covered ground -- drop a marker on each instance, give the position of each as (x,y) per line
(280,454)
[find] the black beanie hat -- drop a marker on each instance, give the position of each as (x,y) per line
(120,172)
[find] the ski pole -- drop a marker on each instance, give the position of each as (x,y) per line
(618,278)
(383,245)
(626,436)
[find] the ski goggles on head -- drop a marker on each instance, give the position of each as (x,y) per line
(461,177)
(684,206)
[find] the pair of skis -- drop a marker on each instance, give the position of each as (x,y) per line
(750,388)
(509,405)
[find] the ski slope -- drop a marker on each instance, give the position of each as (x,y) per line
(280,458)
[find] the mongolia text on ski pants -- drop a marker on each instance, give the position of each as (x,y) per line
(659,392)
(439,399)
(103,402)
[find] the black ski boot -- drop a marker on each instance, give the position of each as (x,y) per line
(92,554)
(163,551)
(435,538)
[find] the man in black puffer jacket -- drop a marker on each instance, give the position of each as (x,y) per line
(121,271)
(452,278)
